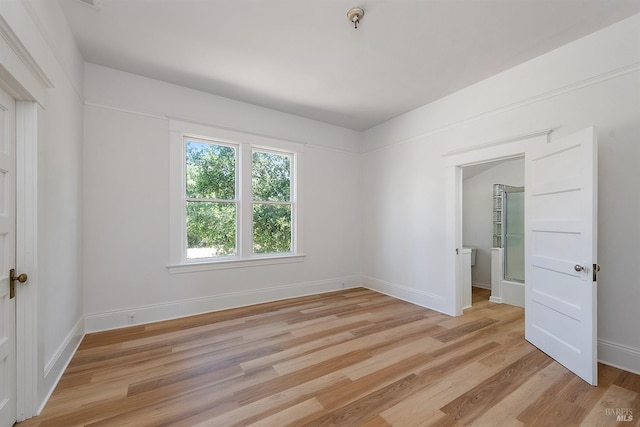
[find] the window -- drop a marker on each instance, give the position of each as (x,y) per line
(272,205)
(211,202)
(234,199)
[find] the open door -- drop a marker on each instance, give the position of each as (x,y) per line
(560,254)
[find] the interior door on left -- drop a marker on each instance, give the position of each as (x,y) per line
(8,407)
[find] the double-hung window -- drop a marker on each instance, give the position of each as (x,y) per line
(235,199)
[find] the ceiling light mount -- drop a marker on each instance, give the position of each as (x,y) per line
(355,14)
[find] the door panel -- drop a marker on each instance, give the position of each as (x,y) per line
(7,260)
(560,298)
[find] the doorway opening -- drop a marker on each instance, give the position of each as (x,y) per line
(493,230)
(466,160)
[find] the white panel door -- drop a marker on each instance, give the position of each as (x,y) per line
(560,293)
(8,408)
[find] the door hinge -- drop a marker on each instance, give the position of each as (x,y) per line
(596,268)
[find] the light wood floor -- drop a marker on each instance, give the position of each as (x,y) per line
(352,358)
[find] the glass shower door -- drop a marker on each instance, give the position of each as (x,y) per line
(514,234)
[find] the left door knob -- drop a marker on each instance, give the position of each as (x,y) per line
(20,278)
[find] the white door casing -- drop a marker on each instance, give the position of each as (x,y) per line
(8,408)
(560,251)
(455,160)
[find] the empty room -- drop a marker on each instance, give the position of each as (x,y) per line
(270,213)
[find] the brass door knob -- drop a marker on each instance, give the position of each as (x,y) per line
(20,278)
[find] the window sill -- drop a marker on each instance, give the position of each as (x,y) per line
(189,267)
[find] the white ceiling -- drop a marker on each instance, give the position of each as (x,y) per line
(305,57)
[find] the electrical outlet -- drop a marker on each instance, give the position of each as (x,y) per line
(131,318)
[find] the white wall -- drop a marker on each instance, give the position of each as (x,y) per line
(60,230)
(53,78)
(477,213)
(593,81)
(126,195)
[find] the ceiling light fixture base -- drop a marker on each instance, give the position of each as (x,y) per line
(355,14)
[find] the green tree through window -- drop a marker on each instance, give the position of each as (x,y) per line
(214,205)
(211,199)
(271,190)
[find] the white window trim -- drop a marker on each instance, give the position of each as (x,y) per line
(245,142)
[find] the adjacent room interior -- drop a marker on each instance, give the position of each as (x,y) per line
(493,228)
(239,213)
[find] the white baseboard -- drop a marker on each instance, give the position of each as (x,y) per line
(619,356)
(56,365)
(481,285)
(414,296)
(172,310)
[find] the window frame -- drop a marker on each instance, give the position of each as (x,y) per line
(245,144)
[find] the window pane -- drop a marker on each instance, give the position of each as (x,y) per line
(211,171)
(211,229)
(271,177)
(271,228)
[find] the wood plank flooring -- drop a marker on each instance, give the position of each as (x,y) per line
(351,358)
